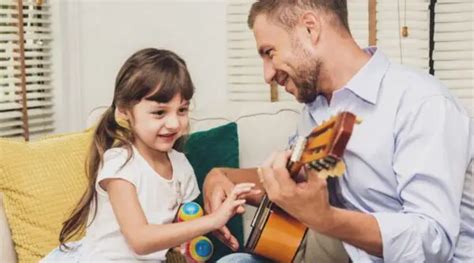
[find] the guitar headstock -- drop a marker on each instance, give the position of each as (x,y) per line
(324,146)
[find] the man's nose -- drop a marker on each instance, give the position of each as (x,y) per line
(268,71)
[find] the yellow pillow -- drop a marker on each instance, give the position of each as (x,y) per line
(41,182)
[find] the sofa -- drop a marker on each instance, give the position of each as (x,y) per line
(261,128)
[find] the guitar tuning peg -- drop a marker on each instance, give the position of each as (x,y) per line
(316,166)
(324,164)
(358,120)
(331,160)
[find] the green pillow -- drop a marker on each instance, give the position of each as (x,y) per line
(217,147)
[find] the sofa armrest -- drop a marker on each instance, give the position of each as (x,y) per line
(7,252)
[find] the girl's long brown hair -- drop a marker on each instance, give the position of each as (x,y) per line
(153,74)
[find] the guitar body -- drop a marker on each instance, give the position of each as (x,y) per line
(278,245)
(275,234)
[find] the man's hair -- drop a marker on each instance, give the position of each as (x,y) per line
(287,12)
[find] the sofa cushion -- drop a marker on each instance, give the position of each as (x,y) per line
(7,252)
(217,147)
(43,180)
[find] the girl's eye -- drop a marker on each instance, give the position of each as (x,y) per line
(159,113)
(183,110)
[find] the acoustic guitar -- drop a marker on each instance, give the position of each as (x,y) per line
(275,234)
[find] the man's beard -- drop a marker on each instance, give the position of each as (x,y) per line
(306,73)
(306,81)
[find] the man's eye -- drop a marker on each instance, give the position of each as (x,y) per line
(269,53)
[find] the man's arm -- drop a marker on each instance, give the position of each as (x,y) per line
(220,178)
(429,163)
(430,159)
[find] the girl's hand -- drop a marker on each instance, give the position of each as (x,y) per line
(216,188)
(232,205)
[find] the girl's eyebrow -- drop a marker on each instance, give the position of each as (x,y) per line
(165,104)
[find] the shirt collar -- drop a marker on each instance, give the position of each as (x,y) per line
(366,83)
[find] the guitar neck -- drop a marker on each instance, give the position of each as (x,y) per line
(294,164)
(294,170)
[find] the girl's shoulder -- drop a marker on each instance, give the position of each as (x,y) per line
(118,163)
(118,156)
(116,153)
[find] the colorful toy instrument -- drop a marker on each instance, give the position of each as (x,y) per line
(199,249)
(189,211)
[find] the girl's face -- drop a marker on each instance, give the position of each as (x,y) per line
(157,126)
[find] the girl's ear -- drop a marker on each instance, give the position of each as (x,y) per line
(120,114)
(121,118)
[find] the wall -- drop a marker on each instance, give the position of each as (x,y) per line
(93,39)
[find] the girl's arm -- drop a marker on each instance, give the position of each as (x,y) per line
(144,238)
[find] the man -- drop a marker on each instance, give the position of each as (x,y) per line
(400,197)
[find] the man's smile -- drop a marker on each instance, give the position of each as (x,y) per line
(282,78)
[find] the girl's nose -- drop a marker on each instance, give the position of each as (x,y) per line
(172,122)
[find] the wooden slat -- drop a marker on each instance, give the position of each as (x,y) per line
(372,23)
(454,36)
(26,133)
(31,87)
(454,49)
(244,66)
(458,64)
(11,132)
(449,56)
(455,46)
(458,17)
(455,7)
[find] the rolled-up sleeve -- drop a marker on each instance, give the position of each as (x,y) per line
(430,160)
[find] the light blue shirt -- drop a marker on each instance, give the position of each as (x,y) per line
(406,162)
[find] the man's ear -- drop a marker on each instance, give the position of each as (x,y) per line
(312,22)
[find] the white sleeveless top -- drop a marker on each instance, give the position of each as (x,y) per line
(159,199)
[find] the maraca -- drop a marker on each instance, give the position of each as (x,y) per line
(189,211)
(200,248)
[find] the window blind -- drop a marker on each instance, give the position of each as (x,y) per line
(36,61)
(359,21)
(244,66)
(245,71)
(392,15)
(454,48)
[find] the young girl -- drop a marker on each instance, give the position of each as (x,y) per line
(137,180)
